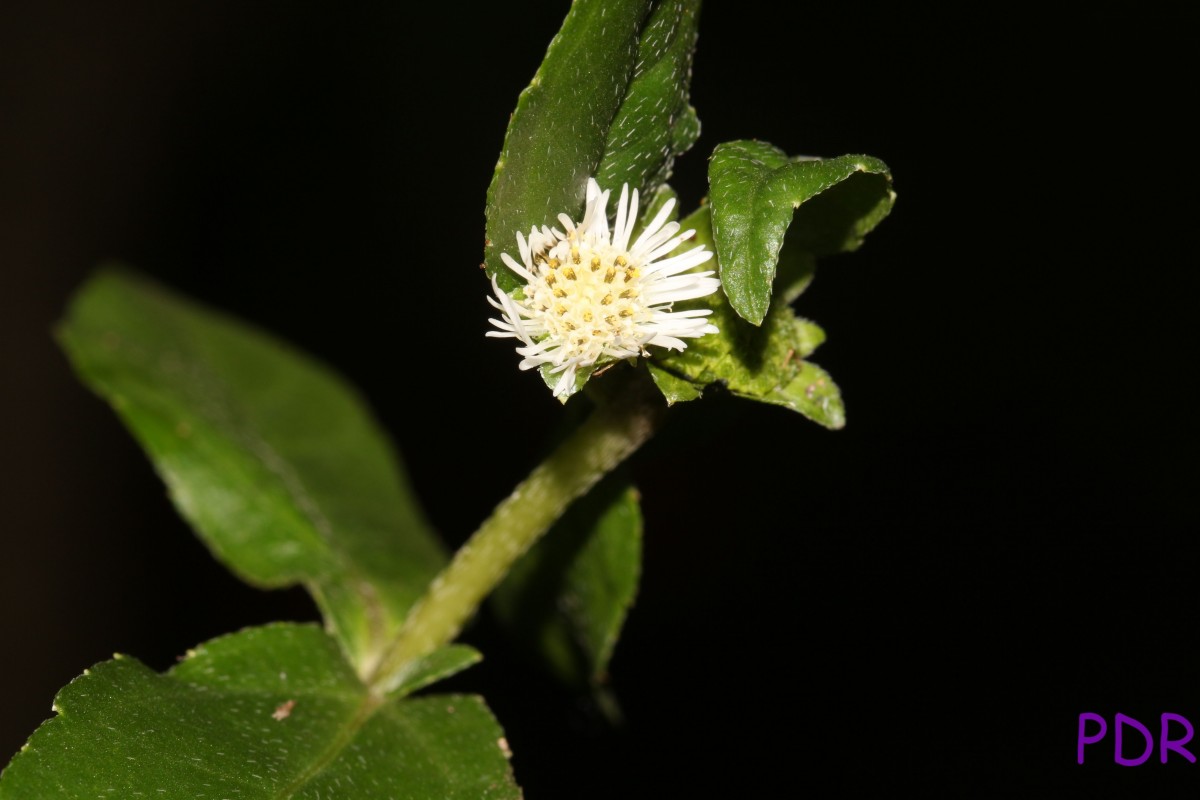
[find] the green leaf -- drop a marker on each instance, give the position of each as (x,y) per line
(271,713)
(813,393)
(756,188)
(610,101)
(655,122)
(674,389)
(437,666)
(569,596)
(273,459)
(765,363)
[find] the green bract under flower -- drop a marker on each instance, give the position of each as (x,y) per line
(590,296)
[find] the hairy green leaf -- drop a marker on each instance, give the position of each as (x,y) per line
(674,388)
(273,459)
(765,363)
(756,189)
(270,713)
(569,596)
(609,101)
(438,665)
(655,122)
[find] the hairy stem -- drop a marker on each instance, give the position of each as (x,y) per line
(609,436)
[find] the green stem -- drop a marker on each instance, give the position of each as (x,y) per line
(609,436)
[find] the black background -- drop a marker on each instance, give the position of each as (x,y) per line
(1000,539)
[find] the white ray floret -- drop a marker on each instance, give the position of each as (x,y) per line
(590,294)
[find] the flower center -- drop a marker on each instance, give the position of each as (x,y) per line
(589,296)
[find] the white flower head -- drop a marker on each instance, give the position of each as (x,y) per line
(591,296)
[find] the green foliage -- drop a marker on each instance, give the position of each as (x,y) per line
(762,348)
(273,458)
(609,100)
(765,363)
(755,191)
(272,712)
(569,596)
(655,122)
(438,665)
(674,389)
